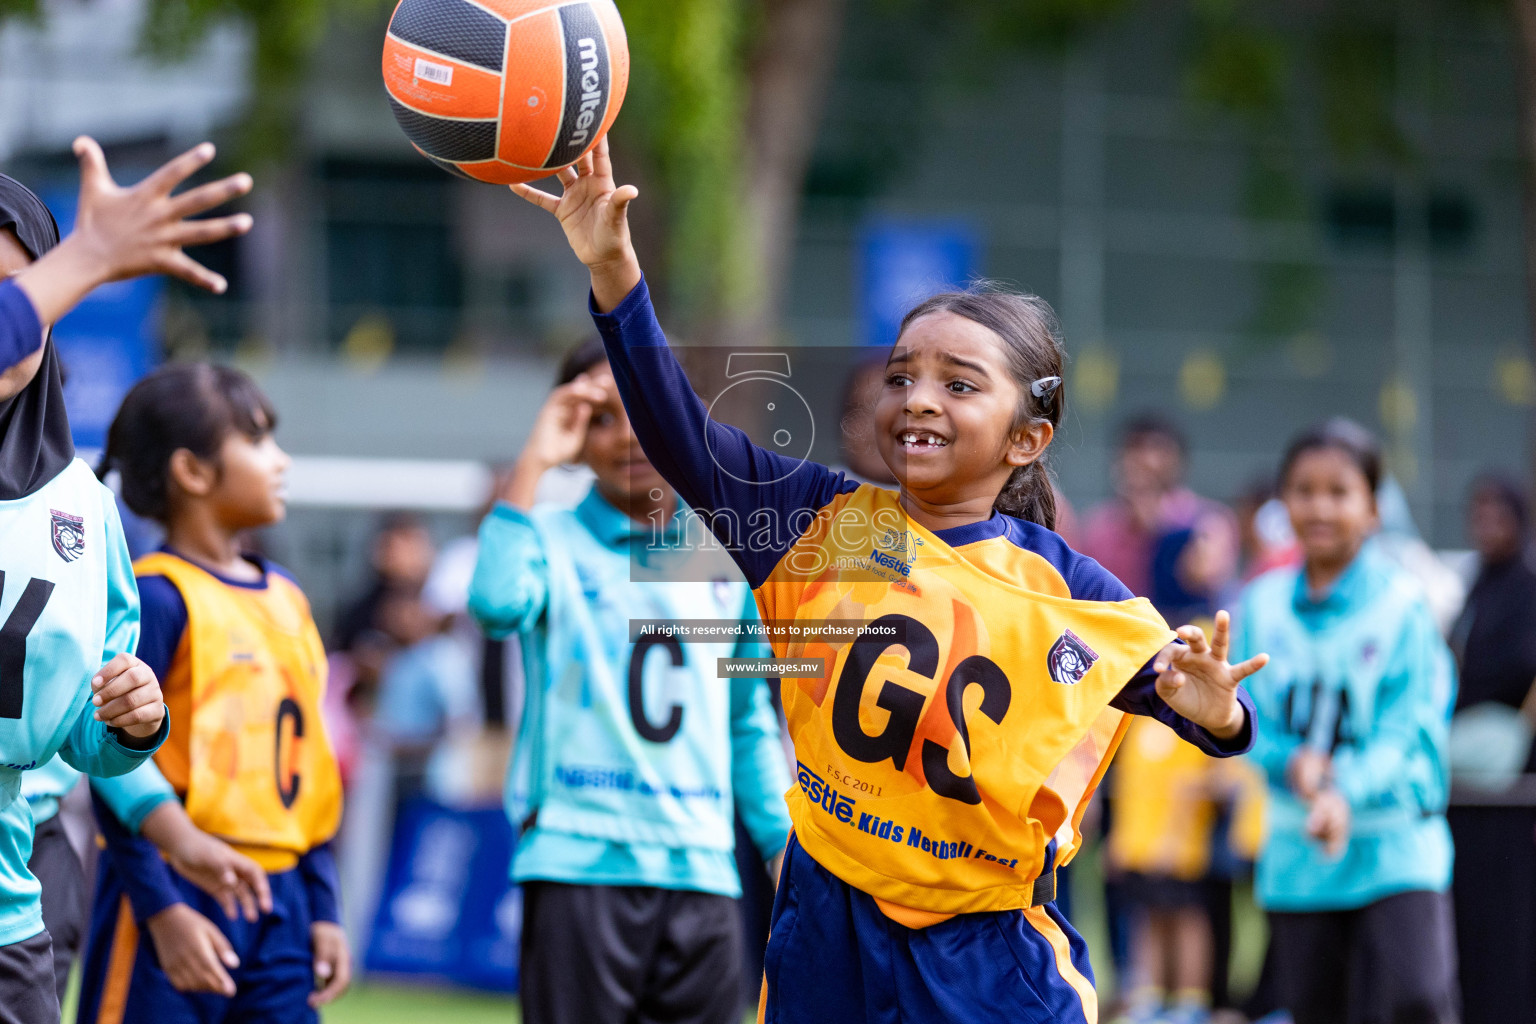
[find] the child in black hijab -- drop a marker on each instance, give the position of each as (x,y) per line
(70,685)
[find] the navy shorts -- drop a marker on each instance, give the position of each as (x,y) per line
(122,981)
(833,955)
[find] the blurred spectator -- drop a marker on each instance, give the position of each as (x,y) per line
(469,769)
(1495,636)
(1399,540)
(1265,538)
(400,559)
(1150,499)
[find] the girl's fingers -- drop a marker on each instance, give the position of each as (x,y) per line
(112,669)
(114,685)
(538,197)
(567,176)
(1249,667)
(204,232)
(137,708)
(254,879)
(176,171)
(189,270)
(1221,638)
(93,164)
(1195,637)
(602,162)
(206,197)
(622,197)
(584,165)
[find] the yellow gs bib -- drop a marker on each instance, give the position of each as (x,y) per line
(248,749)
(966,724)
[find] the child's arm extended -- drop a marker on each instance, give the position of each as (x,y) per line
(126,232)
(193,952)
(715,468)
(125,721)
(759,774)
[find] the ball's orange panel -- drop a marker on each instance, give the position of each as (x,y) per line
(449,88)
(618,60)
(534,89)
(514,9)
(498,173)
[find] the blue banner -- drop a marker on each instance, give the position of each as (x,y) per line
(905,262)
(107,343)
(448,908)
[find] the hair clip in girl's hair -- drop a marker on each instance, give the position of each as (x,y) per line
(1045,387)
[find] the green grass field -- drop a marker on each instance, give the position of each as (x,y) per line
(403,1004)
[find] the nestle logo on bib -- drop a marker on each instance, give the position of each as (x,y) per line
(1070,659)
(68,535)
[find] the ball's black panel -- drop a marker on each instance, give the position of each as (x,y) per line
(588,81)
(445,139)
(452,169)
(454,29)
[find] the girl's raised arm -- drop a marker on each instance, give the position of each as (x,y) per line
(715,468)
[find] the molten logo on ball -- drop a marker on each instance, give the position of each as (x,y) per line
(470,82)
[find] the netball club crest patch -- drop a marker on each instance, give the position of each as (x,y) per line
(68,535)
(1070,659)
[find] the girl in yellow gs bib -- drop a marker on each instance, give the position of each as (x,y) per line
(946,749)
(248,758)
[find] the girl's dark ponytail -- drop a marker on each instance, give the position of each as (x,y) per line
(1030,495)
(1031,339)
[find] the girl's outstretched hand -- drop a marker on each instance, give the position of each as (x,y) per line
(125,232)
(1196,681)
(595,216)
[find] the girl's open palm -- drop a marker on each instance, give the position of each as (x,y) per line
(1197,682)
(590,209)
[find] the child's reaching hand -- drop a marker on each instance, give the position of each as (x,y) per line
(127,697)
(595,217)
(1196,681)
(124,232)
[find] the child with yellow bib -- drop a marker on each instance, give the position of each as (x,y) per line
(243,667)
(948,745)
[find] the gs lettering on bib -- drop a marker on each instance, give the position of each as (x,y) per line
(255,764)
(959,735)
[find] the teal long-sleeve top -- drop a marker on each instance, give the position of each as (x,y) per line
(630,757)
(77,607)
(1359,672)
